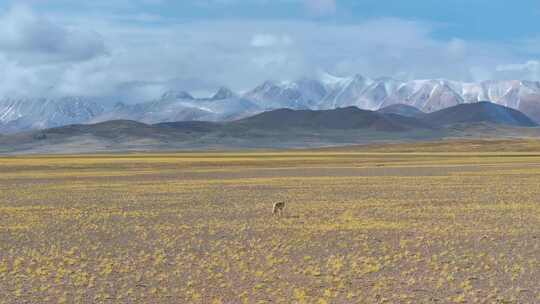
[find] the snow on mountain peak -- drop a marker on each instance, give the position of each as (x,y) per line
(332,81)
(18,114)
(325,91)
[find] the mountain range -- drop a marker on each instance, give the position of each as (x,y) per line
(324,92)
(282,128)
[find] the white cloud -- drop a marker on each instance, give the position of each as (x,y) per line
(528,70)
(531,65)
(30,39)
(68,56)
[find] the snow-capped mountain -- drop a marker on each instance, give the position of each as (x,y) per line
(322,92)
(433,95)
(19,114)
(181,106)
(426,95)
(301,94)
(372,94)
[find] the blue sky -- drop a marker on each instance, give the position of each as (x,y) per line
(468,19)
(138,48)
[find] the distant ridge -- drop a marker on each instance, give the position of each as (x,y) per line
(282,128)
(402,109)
(323,92)
(342,118)
(485,112)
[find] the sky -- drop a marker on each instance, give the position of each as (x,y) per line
(137,49)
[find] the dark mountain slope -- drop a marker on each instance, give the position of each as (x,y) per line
(189,126)
(402,109)
(342,118)
(282,128)
(480,112)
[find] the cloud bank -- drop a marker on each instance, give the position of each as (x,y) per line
(137,57)
(27,38)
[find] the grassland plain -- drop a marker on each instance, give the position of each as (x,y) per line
(382,226)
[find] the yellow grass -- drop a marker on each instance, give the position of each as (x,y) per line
(359,227)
